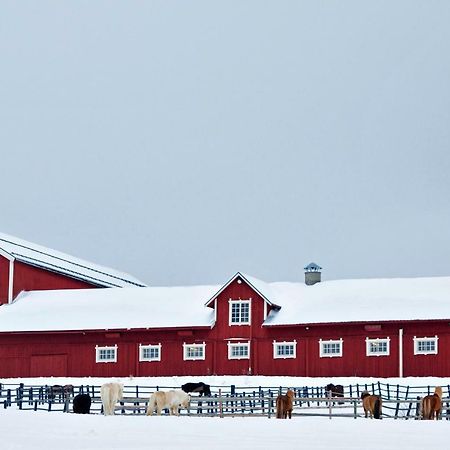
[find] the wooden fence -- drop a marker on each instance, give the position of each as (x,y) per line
(399,402)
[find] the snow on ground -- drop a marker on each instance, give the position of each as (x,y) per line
(238,381)
(41,430)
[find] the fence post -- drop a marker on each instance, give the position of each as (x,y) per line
(355,408)
(330,403)
(220,404)
(418,408)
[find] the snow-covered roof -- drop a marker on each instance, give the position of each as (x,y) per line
(46,258)
(112,309)
(365,300)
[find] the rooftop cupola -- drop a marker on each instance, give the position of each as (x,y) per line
(312,274)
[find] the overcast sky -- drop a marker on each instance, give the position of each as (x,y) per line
(182,141)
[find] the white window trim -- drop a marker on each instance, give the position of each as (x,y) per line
(276,345)
(378,340)
(232,345)
(149,346)
(231,302)
(195,358)
(427,339)
(105,347)
(331,341)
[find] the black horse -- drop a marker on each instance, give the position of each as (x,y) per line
(335,391)
(82,404)
(201,388)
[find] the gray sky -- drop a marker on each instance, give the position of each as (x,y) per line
(182,141)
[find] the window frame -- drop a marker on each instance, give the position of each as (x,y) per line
(232,302)
(100,348)
(322,354)
(194,345)
(434,339)
(232,345)
(378,340)
(278,344)
(143,347)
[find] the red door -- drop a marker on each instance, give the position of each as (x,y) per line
(48,366)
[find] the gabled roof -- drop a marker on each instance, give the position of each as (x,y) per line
(52,260)
(260,287)
(340,301)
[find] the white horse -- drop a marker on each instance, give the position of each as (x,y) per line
(111,393)
(170,400)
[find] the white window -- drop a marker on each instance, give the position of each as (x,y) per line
(331,348)
(149,352)
(284,350)
(105,354)
(426,345)
(240,312)
(193,352)
(377,347)
(238,350)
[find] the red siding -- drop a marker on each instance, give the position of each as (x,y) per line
(30,278)
(4,279)
(73,354)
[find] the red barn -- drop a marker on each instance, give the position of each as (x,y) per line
(25,266)
(378,328)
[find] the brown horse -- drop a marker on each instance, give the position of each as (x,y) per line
(432,405)
(372,405)
(285,404)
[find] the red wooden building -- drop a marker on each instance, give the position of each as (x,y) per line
(25,266)
(377,328)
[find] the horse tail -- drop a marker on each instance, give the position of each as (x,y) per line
(279,408)
(425,408)
(377,409)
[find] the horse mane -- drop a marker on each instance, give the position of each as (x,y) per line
(364,394)
(438,391)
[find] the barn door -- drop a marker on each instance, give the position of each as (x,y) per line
(48,366)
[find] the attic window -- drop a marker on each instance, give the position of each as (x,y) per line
(239,312)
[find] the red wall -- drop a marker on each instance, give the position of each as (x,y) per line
(73,354)
(4,279)
(30,278)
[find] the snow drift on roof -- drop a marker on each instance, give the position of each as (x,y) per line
(59,262)
(361,301)
(114,308)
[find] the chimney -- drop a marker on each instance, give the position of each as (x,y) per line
(312,274)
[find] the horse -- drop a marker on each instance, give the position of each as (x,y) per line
(63,391)
(372,404)
(431,405)
(201,388)
(335,391)
(82,404)
(170,400)
(285,405)
(110,393)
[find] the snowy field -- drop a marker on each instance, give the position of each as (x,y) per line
(43,430)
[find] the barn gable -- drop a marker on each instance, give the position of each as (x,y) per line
(28,266)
